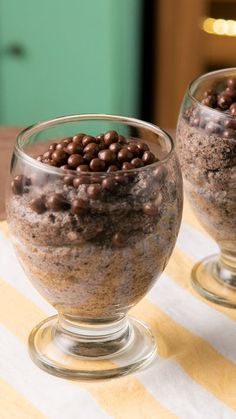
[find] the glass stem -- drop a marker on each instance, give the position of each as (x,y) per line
(91,338)
(226,267)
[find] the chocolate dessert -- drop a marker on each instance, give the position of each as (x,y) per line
(95,233)
(206,144)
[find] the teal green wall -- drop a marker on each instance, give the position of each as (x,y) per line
(80,56)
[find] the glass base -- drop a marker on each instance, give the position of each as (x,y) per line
(124,347)
(213,281)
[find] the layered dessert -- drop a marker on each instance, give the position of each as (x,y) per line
(94,234)
(206,143)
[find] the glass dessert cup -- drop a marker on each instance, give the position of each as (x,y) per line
(95,253)
(206,145)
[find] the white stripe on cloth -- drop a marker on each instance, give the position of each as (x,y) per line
(195,244)
(195,316)
(165,380)
(13,274)
(168,383)
(43,390)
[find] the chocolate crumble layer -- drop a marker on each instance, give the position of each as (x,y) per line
(93,244)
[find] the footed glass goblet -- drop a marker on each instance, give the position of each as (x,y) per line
(94,209)
(206,144)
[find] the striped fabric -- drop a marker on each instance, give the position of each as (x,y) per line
(194,376)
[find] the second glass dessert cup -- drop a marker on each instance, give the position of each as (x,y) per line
(93,243)
(206,144)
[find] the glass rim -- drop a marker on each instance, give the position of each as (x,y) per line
(39,126)
(203,77)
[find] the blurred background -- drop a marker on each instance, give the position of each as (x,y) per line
(132,57)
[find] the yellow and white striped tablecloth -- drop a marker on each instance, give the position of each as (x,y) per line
(194,376)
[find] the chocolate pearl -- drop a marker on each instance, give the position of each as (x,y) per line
(77,182)
(188,113)
(94,191)
(68,180)
(17,184)
(228,133)
(97,165)
(231,83)
(83,168)
(134,149)
(232,109)
(143,147)
(38,205)
(160,173)
(39,158)
(112,168)
(212,128)
(124,155)
(91,148)
(88,139)
(122,180)
(150,209)
(107,155)
(100,136)
(81,180)
(46,161)
(102,145)
(148,157)
(74,148)
(230,92)
(52,146)
(57,202)
(109,183)
(95,179)
(75,160)
(224,101)
(194,122)
(122,139)
(78,138)
(78,206)
(209,92)
(59,156)
(127,166)
(118,239)
(49,162)
(88,157)
(210,101)
(67,140)
(110,137)
(230,123)
(47,155)
(27,181)
(137,162)
(60,146)
(115,147)
(65,167)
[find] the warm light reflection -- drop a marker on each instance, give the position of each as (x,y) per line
(219,26)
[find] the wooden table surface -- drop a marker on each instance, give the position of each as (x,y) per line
(7,138)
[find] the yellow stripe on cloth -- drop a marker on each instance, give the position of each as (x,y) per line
(25,315)
(179,269)
(14,406)
(4,229)
(125,398)
(197,357)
